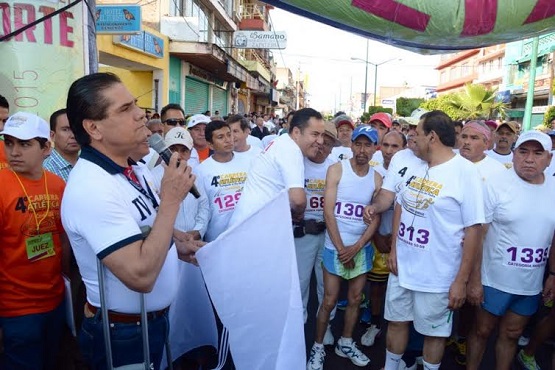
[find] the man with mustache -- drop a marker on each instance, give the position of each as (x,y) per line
(518,243)
(347,252)
(505,137)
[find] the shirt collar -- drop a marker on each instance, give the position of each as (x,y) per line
(91,154)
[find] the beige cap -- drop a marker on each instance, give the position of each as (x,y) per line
(179,135)
(331,131)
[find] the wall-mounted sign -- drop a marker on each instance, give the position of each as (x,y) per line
(259,40)
(118,19)
(145,42)
(207,76)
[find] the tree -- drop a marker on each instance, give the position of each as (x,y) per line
(405,106)
(476,101)
(548,117)
(374,109)
(442,102)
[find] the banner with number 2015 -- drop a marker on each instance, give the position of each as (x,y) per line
(39,64)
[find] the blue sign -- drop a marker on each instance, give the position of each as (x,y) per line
(118,19)
(145,42)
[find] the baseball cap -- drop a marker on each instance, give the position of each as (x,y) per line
(198,118)
(540,137)
(331,131)
(178,135)
(491,124)
(512,125)
(26,126)
(382,117)
(343,119)
(367,131)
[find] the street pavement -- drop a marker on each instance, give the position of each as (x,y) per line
(376,353)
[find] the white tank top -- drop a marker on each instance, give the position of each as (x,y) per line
(353,194)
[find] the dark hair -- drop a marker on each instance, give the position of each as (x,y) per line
(440,123)
(458,124)
(4,102)
(302,116)
(289,114)
(86,100)
(42,142)
(168,107)
(213,126)
(54,118)
(340,113)
(239,118)
(401,135)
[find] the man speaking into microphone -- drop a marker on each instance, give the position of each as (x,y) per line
(111,214)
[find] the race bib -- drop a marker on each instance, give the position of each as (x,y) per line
(226,203)
(39,247)
(414,237)
(525,257)
(349,211)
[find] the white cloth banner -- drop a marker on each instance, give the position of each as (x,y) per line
(251,274)
(191,317)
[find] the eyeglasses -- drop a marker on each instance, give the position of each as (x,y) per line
(175,121)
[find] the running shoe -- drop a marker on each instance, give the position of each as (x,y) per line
(316,359)
(369,337)
(350,351)
(527,362)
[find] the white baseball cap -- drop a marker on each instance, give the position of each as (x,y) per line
(178,135)
(540,137)
(198,118)
(26,126)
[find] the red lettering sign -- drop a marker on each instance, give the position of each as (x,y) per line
(479,17)
(395,12)
(544,9)
(30,9)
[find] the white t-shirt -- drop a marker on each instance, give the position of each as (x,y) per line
(340,153)
(522,223)
(489,167)
(194,213)
(377,159)
(251,153)
(254,141)
(222,183)
(102,212)
(314,184)
(267,139)
(353,194)
(280,166)
(504,159)
(400,165)
(438,203)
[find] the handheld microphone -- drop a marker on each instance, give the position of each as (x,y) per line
(157,143)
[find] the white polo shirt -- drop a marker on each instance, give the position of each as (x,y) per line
(280,166)
(101,213)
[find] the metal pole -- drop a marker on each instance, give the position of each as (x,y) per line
(366,80)
(375,82)
(531,83)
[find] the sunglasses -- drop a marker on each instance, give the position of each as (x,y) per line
(175,121)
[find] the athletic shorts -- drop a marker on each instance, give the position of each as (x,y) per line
(428,311)
(498,302)
(380,271)
(363,263)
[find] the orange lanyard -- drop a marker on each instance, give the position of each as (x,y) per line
(29,199)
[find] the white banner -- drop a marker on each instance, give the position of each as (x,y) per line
(253,281)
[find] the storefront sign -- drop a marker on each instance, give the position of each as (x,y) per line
(145,42)
(118,19)
(207,76)
(40,64)
(259,40)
